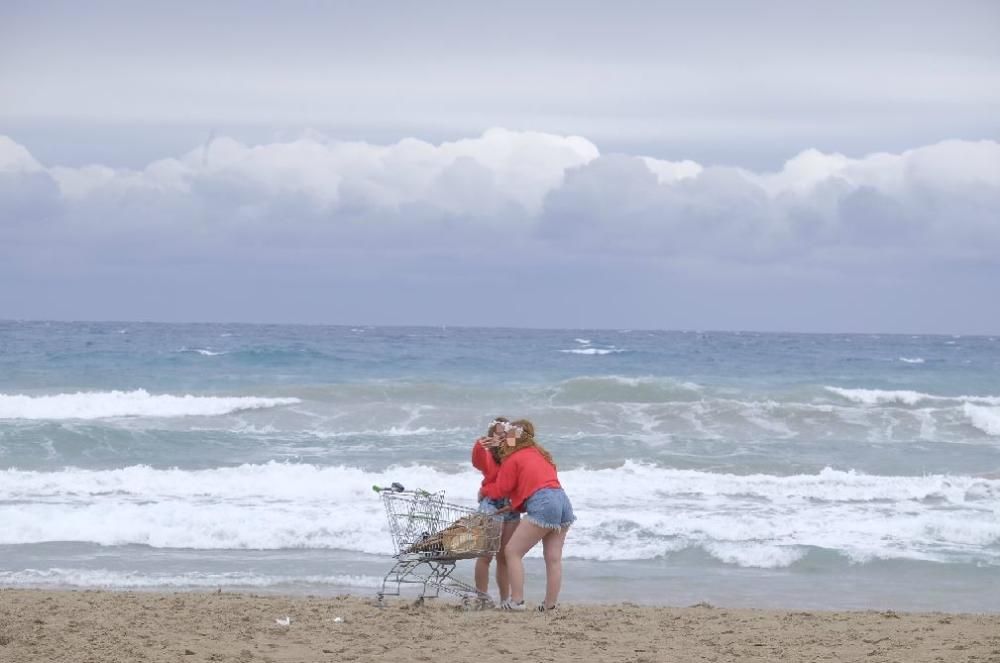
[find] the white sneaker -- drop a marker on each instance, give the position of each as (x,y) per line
(516,607)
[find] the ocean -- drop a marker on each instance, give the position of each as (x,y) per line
(839,471)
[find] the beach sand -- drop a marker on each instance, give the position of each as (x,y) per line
(111,627)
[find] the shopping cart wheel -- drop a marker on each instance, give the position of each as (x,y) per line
(419,602)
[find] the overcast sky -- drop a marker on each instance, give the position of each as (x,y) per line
(804,166)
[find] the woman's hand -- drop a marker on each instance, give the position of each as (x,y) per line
(487,442)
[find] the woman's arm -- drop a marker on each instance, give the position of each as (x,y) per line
(506,480)
(482,458)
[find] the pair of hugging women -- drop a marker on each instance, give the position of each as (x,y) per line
(519,478)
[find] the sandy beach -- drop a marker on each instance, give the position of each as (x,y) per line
(111,627)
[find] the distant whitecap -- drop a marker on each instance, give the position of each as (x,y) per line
(137,403)
(592,351)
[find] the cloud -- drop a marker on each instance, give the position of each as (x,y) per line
(942,197)
(326,211)
(308,189)
(28,194)
(506,166)
(536,186)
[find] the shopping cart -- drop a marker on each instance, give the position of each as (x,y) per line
(429,536)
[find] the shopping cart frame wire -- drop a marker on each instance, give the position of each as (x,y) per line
(429,536)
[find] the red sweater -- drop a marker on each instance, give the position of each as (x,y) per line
(521,475)
(482,460)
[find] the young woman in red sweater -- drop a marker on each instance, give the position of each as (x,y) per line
(528,478)
(486,459)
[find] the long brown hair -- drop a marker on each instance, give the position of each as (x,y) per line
(526,439)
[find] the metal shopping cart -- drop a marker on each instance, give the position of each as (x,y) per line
(429,536)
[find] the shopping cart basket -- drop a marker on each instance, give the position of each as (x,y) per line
(429,536)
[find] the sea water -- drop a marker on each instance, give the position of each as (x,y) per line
(743,469)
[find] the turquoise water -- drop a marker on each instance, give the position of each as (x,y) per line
(744,469)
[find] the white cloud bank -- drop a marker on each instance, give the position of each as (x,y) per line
(533,186)
(472,176)
(406,232)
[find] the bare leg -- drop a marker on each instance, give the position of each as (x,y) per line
(483,573)
(525,537)
(552,546)
(503,578)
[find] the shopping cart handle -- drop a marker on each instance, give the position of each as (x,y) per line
(396,487)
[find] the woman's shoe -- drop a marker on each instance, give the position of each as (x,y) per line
(542,608)
(516,607)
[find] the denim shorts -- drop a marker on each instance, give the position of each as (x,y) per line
(550,508)
(492,506)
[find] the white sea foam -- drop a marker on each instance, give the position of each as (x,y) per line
(928,427)
(986,419)
(627,381)
(623,389)
(756,555)
(390,432)
(905,397)
(202,351)
(762,415)
(912,360)
(592,351)
(106,578)
(880,396)
(635,511)
(582,341)
(138,403)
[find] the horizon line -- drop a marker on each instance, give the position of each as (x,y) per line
(679,330)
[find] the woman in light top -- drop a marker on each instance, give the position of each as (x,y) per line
(528,478)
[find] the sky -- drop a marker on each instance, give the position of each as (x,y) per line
(782,166)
